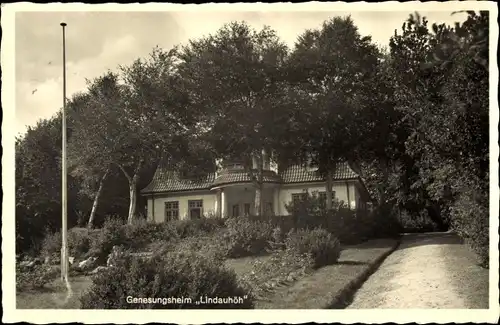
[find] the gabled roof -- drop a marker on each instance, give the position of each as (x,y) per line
(168,181)
(241,176)
(299,174)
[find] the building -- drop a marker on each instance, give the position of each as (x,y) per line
(230,191)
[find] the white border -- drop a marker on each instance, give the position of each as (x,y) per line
(244,316)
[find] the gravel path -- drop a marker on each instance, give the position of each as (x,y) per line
(427,271)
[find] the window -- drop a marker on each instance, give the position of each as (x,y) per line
(247,209)
(195,209)
(236,210)
(269,208)
(322,197)
(171,210)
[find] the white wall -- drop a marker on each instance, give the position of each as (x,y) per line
(239,195)
(340,188)
(208,198)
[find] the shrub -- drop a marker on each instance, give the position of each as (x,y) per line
(178,274)
(471,222)
(142,233)
(168,232)
(111,234)
(195,227)
(341,221)
(384,222)
(35,278)
(51,244)
(321,245)
(277,241)
(78,242)
(209,246)
(246,237)
(311,205)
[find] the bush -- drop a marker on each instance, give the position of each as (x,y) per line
(168,232)
(78,242)
(246,237)
(195,227)
(209,246)
(322,246)
(471,222)
(36,278)
(51,244)
(385,224)
(111,234)
(341,221)
(142,233)
(174,275)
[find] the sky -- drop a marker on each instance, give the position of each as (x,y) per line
(101,40)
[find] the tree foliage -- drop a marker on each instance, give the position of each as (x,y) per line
(331,69)
(235,80)
(414,117)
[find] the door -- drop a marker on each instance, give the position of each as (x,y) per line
(195,209)
(236,210)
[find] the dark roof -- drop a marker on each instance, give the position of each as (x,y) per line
(299,174)
(168,181)
(241,176)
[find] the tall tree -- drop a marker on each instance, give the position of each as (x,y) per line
(131,121)
(235,80)
(442,91)
(332,68)
(85,160)
(38,184)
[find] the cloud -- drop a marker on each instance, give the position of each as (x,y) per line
(100,41)
(47,100)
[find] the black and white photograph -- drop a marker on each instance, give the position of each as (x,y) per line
(324,162)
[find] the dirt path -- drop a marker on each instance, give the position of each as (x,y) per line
(427,271)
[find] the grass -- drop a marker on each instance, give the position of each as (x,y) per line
(53,296)
(330,284)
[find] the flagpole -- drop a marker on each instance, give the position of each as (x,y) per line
(64,250)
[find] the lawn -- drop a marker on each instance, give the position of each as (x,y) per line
(330,285)
(54,295)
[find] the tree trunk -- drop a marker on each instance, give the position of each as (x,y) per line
(258,187)
(133,201)
(132,181)
(329,181)
(96,200)
(385,172)
(258,199)
(329,184)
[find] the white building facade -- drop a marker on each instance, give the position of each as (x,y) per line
(231,192)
